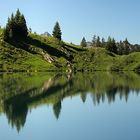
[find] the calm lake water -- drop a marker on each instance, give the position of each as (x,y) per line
(49,106)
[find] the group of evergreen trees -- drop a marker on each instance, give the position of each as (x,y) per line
(111,45)
(122,47)
(16,27)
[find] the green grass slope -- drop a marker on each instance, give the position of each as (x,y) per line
(99,59)
(40,53)
(37,53)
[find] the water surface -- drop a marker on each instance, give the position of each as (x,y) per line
(82,106)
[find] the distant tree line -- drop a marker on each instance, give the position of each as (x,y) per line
(120,48)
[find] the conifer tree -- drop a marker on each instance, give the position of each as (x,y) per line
(23,25)
(17,16)
(57,31)
(98,43)
(16,27)
(108,45)
(111,45)
(126,46)
(114,47)
(83,43)
(7,29)
(94,40)
(120,48)
(103,42)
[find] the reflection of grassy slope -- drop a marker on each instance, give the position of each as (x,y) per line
(52,90)
(53,94)
(98,83)
(21,92)
(27,87)
(13,84)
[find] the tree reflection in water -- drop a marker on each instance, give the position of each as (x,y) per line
(23,92)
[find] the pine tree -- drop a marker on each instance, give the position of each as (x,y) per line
(94,40)
(108,45)
(114,47)
(111,45)
(7,30)
(5,34)
(17,17)
(57,31)
(23,25)
(12,27)
(83,43)
(126,46)
(103,42)
(120,48)
(98,43)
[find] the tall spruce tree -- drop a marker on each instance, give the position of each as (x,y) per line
(22,23)
(103,43)
(7,29)
(94,40)
(17,16)
(83,43)
(126,46)
(98,42)
(57,31)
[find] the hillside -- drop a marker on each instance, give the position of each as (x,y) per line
(42,53)
(37,53)
(99,59)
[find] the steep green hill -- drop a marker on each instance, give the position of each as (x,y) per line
(37,53)
(40,53)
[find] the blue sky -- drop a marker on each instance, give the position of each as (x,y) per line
(78,18)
